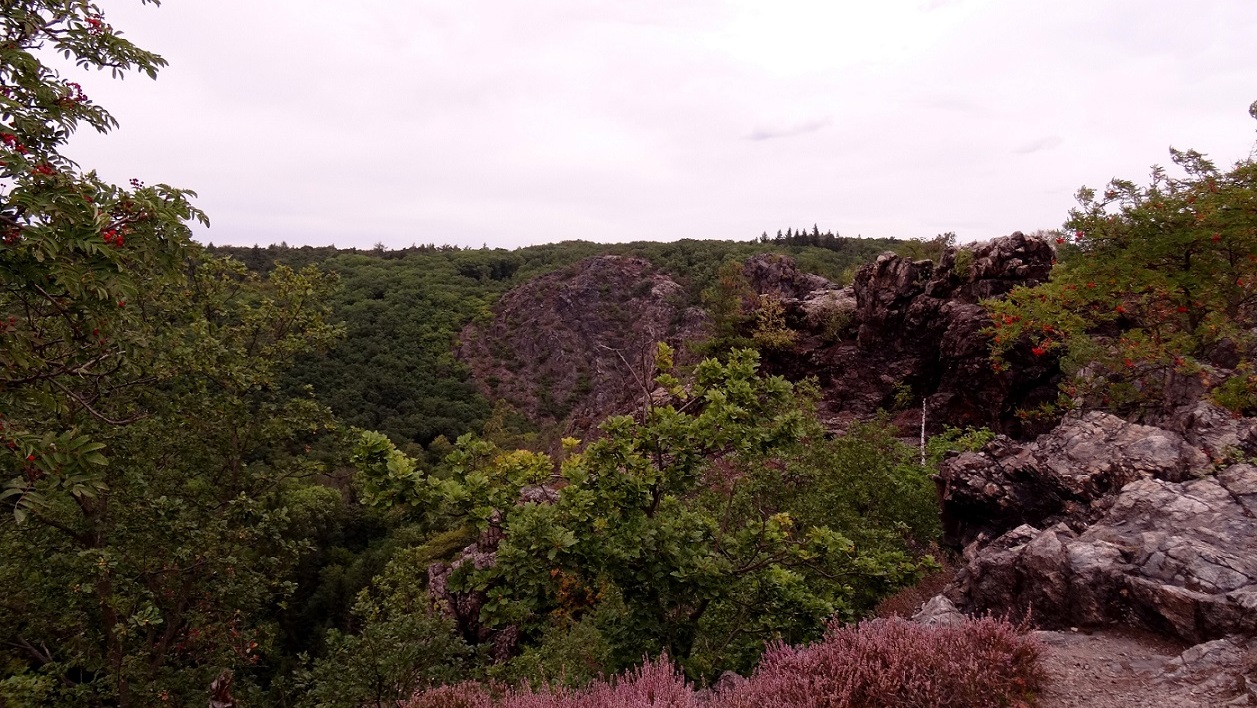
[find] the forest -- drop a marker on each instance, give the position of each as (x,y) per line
(265,470)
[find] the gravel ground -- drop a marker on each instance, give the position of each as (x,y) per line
(1114,669)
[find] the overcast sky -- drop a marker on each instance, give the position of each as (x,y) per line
(509,123)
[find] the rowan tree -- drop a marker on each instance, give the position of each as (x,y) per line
(148,463)
(1153,281)
(79,257)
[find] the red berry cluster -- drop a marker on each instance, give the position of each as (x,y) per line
(96,24)
(74,95)
(11,140)
(11,235)
(44,169)
(113,237)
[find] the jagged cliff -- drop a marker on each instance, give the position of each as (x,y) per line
(572,347)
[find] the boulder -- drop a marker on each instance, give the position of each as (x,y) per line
(779,276)
(1177,558)
(1064,475)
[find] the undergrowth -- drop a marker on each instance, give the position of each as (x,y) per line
(981,663)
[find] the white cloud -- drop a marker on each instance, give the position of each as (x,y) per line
(474,121)
(788,131)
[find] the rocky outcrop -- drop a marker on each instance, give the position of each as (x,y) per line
(1106,521)
(778,276)
(571,347)
(915,327)
(1175,558)
(1122,668)
(1225,668)
(1216,431)
(463,606)
(1067,475)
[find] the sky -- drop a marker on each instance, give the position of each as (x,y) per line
(507,123)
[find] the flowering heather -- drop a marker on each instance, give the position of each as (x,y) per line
(657,684)
(885,663)
(876,664)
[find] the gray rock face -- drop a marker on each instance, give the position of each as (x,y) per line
(463,607)
(1220,667)
(1213,429)
(1177,558)
(779,277)
(1107,522)
(918,325)
(938,610)
(570,347)
(1124,668)
(1064,475)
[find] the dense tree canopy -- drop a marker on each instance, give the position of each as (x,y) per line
(179,501)
(149,465)
(710,523)
(396,371)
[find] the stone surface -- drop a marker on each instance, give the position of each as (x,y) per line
(1177,558)
(1215,430)
(570,348)
(1128,669)
(779,276)
(916,326)
(938,610)
(1064,475)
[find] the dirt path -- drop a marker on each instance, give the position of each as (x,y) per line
(1128,670)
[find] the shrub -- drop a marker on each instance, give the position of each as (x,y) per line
(771,331)
(974,664)
(964,262)
(881,663)
(656,684)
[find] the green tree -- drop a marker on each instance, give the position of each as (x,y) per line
(403,646)
(1152,280)
(771,331)
(161,567)
(78,256)
(718,520)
